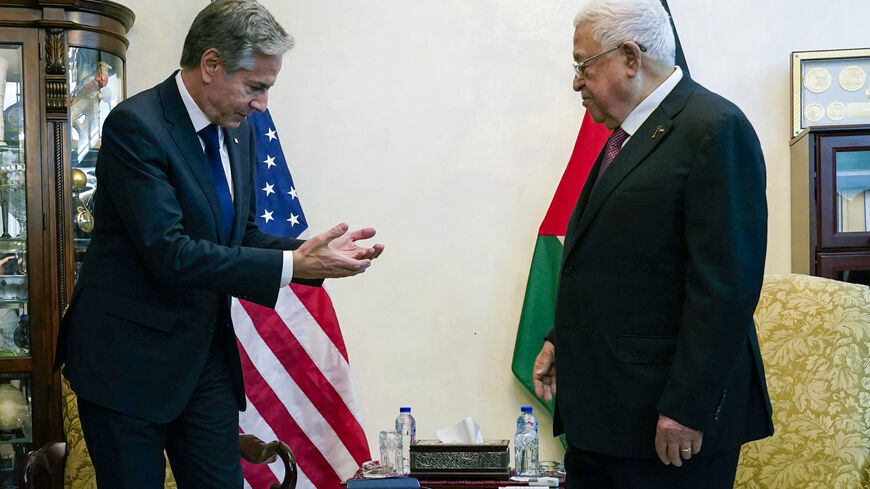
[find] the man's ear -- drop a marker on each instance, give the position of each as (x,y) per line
(633,59)
(210,64)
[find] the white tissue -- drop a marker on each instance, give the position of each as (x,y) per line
(465,431)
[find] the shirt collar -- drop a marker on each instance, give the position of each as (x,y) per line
(644,109)
(197,116)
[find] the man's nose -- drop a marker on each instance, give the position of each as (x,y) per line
(260,101)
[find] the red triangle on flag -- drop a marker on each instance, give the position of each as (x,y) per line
(590,140)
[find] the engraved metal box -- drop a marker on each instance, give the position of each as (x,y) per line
(433,460)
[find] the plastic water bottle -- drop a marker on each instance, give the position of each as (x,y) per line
(526,444)
(407,427)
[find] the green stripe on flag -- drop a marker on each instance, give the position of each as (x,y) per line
(538,311)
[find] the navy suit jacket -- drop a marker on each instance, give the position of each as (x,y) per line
(661,272)
(154,289)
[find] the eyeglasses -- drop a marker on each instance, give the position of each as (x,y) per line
(580,66)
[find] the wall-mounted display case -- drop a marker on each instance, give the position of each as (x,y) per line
(830,88)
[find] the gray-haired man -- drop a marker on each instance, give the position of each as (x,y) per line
(660,378)
(147,341)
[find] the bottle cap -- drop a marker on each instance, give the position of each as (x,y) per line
(404,410)
(526,409)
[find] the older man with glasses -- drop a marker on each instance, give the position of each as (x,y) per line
(660,376)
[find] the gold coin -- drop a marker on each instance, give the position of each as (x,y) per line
(814,112)
(817,80)
(852,78)
(836,111)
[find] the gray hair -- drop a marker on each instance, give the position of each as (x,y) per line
(238,30)
(643,21)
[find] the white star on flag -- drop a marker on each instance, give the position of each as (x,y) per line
(293,220)
(292,192)
(271,134)
(267,216)
(269,161)
(268,189)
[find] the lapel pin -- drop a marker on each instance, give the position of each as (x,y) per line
(659,130)
(236,140)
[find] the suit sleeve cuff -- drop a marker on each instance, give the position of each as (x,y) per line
(287,268)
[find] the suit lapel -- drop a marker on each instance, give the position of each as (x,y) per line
(185,138)
(650,134)
(570,233)
(232,138)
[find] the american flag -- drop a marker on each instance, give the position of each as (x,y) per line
(297,376)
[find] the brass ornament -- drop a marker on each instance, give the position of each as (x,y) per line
(82,216)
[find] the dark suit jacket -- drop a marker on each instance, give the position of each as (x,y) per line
(156,282)
(661,272)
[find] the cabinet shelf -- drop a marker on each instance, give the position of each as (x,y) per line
(15,441)
(15,364)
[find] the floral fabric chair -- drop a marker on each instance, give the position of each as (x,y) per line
(814,335)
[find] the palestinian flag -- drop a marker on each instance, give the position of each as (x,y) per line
(540,301)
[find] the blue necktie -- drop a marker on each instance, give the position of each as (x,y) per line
(209,136)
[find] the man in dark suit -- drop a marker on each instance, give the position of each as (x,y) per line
(147,341)
(660,379)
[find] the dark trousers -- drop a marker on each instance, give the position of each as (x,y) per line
(590,470)
(202,443)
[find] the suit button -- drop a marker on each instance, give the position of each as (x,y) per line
(569,269)
(210,328)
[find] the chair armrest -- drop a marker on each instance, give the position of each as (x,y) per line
(48,459)
(256,451)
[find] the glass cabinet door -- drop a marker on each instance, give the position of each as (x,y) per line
(844,191)
(96,85)
(853,191)
(14,320)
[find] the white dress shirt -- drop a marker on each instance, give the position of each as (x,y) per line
(641,113)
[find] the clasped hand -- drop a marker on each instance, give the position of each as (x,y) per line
(334,253)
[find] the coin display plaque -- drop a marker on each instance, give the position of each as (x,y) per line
(830,88)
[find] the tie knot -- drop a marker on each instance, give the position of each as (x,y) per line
(209,135)
(618,137)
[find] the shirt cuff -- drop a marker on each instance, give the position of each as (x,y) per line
(287,268)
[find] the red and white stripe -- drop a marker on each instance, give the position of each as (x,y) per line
(299,387)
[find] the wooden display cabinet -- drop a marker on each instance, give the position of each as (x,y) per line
(830,199)
(61,71)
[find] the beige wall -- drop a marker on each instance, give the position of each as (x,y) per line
(447,124)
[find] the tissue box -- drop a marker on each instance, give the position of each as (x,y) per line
(434,460)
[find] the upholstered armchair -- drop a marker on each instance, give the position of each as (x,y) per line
(814,335)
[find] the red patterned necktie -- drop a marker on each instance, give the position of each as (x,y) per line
(611,149)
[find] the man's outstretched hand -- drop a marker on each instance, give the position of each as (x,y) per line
(334,253)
